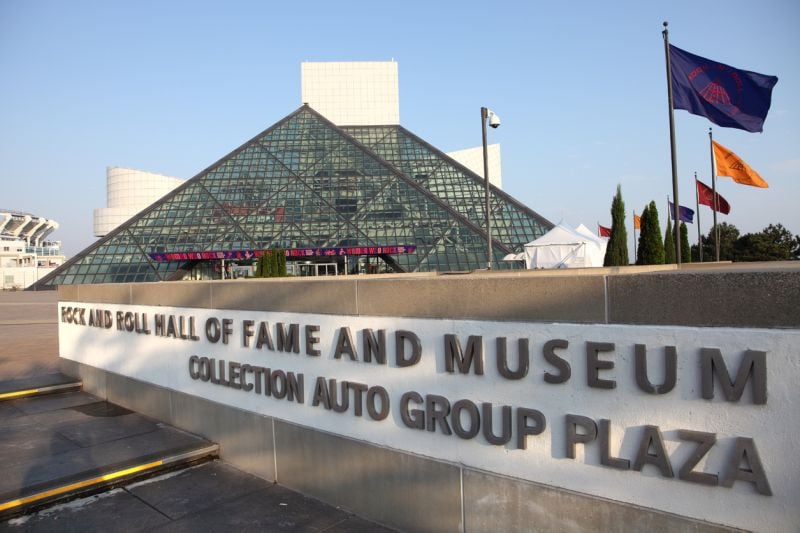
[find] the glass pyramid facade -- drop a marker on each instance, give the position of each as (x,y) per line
(512,223)
(317,190)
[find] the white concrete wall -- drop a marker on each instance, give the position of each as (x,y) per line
(352,93)
(128,191)
(472,158)
(16,278)
(164,361)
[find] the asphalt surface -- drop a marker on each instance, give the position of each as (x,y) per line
(54,437)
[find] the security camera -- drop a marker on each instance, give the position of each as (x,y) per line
(494,120)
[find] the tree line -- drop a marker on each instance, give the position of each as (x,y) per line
(773,243)
(271,264)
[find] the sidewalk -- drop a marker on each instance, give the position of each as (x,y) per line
(63,436)
(210,497)
(28,334)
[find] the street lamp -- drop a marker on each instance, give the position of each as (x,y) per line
(487,115)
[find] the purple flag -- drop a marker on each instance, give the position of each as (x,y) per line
(685,214)
(727,96)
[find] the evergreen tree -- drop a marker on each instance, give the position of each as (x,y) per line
(266,269)
(686,251)
(273,264)
(669,244)
(658,245)
(642,225)
(281,253)
(651,247)
(617,249)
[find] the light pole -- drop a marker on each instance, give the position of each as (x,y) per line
(494,121)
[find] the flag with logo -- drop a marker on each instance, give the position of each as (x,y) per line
(637,222)
(684,213)
(731,165)
(705,196)
(727,96)
(603,231)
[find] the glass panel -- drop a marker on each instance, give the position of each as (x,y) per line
(303,184)
(513,224)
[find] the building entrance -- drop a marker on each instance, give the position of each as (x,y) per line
(314,269)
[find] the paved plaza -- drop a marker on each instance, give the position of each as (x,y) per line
(28,334)
(60,440)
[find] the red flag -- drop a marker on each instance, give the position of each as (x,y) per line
(705,196)
(603,231)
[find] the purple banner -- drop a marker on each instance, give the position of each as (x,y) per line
(237,255)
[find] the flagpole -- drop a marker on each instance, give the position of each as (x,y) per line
(714,192)
(488,207)
(635,247)
(669,219)
(697,206)
(665,33)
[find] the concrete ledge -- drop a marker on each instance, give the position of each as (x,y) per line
(68,293)
(398,489)
(144,398)
(245,438)
(172,294)
(104,293)
(740,295)
(530,298)
(94,379)
(292,295)
(496,503)
(700,298)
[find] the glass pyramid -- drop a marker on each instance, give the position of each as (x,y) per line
(317,190)
(512,222)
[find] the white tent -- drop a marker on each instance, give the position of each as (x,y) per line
(601,241)
(564,247)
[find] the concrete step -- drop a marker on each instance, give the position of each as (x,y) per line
(59,446)
(37,386)
(212,496)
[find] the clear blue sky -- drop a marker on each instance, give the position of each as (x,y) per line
(170,87)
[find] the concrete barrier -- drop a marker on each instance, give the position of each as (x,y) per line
(646,397)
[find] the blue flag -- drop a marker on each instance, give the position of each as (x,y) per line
(685,214)
(727,96)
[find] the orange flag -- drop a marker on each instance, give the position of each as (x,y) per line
(637,222)
(731,165)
